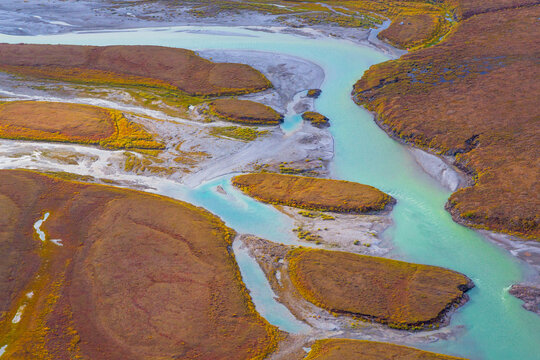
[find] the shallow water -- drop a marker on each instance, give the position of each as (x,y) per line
(494,324)
(37,227)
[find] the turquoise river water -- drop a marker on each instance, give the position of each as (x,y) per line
(492,324)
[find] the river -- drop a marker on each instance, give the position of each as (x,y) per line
(492,325)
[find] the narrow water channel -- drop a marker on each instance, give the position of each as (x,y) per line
(492,325)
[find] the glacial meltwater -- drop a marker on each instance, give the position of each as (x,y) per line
(492,325)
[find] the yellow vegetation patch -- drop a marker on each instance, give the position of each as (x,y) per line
(313,193)
(245,112)
(340,349)
(106,292)
(73,123)
(400,294)
(151,66)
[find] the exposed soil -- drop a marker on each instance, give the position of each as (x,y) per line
(530,296)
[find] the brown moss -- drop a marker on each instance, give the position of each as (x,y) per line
(339,349)
(473,96)
(400,294)
(415,30)
(125,284)
(316,119)
(314,93)
(74,123)
(152,66)
(245,112)
(312,193)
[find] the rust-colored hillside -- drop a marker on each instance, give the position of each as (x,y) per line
(152,66)
(120,282)
(475,95)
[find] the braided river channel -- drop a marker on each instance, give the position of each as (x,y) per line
(491,326)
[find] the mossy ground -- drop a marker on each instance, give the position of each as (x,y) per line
(312,193)
(72,123)
(340,349)
(148,66)
(245,112)
(106,292)
(474,96)
(399,294)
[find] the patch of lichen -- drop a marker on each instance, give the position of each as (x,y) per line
(338,349)
(313,193)
(28,338)
(395,293)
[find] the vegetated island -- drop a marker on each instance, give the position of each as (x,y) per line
(147,66)
(72,123)
(316,119)
(313,193)
(314,93)
(245,112)
(473,96)
(399,294)
(339,349)
(91,272)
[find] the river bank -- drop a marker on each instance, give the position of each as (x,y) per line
(422,231)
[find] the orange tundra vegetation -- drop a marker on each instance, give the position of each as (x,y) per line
(316,119)
(399,294)
(342,349)
(245,112)
(312,193)
(424,21)
(151,66)
(124,284)
(74,123)
(475,96)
